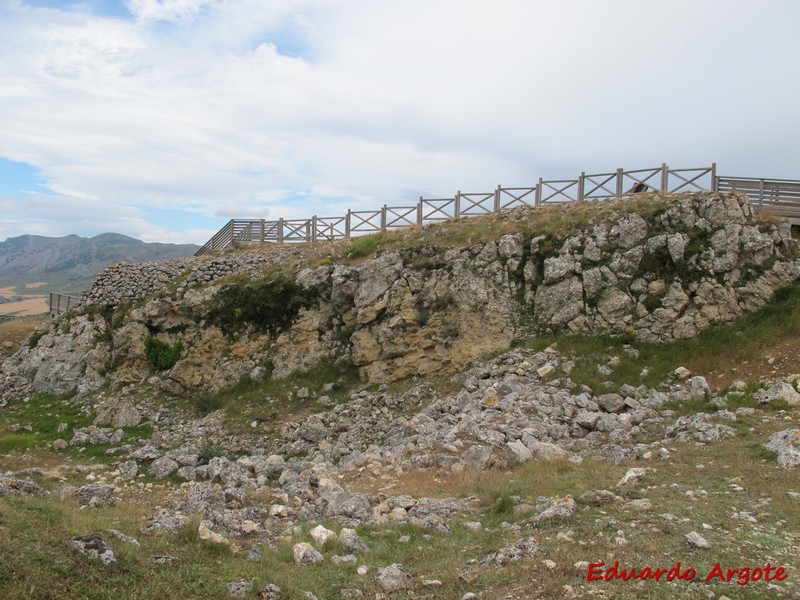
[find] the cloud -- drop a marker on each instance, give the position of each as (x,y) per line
(177,11)
(244,108)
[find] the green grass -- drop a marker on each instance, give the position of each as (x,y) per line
(272,400)
(45,413)
(741,340)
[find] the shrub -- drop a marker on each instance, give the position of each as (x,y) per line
(161,356)
(269,305)
(33,341)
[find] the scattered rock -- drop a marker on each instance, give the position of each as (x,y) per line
(94,546)
(632,474)
(786,444)
(306,554)
(393,578)
(320,535)
(523,548)
(695,540)
(240,588)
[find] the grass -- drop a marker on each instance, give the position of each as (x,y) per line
(45,413)
(742,340)
(37,564)
(555,221)
(272,400)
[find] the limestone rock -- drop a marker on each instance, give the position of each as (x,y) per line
(94,546)
(786,444)
(321,534)
(779,391)
(306,554)
(393,578)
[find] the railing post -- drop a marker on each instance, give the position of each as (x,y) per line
(664,178)
(383,218)
(457,206)
(263,232)
(419,211)
(539,192)
(581,183)
(497,193)
(280,230)
(347,225)
(314,228)
(760,194)
(620,181)
(714,182)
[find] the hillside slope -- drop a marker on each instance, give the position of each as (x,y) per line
(70,263)
(497,408)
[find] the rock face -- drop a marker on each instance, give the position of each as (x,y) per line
(786,444)
(697,260)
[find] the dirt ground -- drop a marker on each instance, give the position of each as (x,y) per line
(781,358)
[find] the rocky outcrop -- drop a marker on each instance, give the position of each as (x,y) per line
(696,260)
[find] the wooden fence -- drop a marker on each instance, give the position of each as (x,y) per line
(592,186)
(61,303)
(780,196)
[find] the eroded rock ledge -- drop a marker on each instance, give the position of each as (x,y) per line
(696,260)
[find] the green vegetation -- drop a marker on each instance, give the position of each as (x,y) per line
(367,245)
(51,417)
(161,356)
(33,341)
(272,399)
(741,340)
(268,305)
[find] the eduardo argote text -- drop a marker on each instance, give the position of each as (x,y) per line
(741,575)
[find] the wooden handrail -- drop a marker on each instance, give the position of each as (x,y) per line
(594,186)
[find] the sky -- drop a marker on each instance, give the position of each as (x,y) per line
(163,119)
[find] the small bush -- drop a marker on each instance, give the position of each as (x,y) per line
(33,341)
(269,305)
(161,356)
(205,403)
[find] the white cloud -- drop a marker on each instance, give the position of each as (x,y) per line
(179,11)
(292,107)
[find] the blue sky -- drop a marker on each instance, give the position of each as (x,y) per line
(162,119)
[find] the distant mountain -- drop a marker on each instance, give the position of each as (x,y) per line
(70,263)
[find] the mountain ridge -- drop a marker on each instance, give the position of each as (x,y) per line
(71,262)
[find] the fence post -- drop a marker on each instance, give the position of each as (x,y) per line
(539,192)
(581,184)
(664,177)
(620,181)
(419,211)
(497,199)
(760,194)
(263,232)
(457,206)
(280,230)
(314,228)
(714,182)
(347,225)
(383,218)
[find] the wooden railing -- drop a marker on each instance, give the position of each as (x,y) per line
(61,303)
(781,195)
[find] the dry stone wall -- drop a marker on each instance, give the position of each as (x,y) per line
(701,259)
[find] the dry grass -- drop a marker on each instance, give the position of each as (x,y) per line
(14,332)
(35,305)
